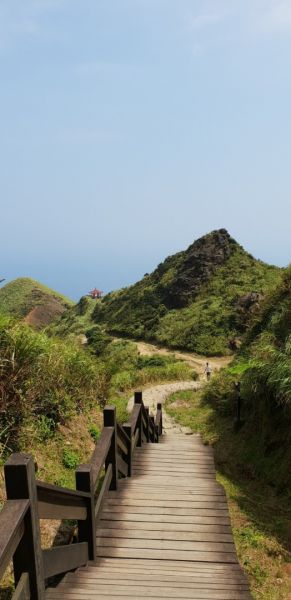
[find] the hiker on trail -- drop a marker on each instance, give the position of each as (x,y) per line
(208,371)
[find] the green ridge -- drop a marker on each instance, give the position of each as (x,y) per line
(22,295)
(194,300)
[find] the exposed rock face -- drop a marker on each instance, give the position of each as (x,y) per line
(249,301)
(196,267)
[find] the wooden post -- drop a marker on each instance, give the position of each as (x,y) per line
(20,484)
(147,412)
(109,417)
(138,400)
(127,430)
(87,528)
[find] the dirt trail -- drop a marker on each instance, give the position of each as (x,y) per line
(160,393)
(196,361)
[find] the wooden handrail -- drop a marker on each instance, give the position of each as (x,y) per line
(100,453)
(135,417)
(29,500)
(14,512)
(55,502)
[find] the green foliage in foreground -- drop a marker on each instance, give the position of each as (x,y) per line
(210,320)
(20,296)
(263,368)
(45,381)
(42,379)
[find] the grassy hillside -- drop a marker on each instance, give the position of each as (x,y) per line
(263,368)
(45,382)
(76,320)
(254,459)
(200,300)
(27,299)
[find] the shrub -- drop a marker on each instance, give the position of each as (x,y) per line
(122,381)
(44,379)
(98,340)
(220,392)
(70,459)
(95,433)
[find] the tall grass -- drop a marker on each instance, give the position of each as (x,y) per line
(42,377)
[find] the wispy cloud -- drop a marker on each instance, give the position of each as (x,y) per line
(97,67)
(273,16)
(22,19)
(199,22)
(224,22)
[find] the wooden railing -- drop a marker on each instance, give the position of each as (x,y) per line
(29,500)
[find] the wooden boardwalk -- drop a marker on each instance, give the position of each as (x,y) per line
(165,533)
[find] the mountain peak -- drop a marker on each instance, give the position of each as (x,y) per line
(195,266)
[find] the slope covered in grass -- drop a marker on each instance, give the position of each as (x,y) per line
(199,300)
(45,381)
(263,367)
(76,320)
(27,299)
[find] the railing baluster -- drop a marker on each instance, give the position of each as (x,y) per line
(127,429)
(138,400)
(109,417)
(147,418)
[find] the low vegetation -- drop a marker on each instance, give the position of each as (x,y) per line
(27,299)
(260,514)
(47,383)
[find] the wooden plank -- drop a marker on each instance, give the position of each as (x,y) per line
(121,446)
(12,530)
(132,487)
(166,564)
(134,417)
(146,593)
(162,544)
(161,574)
(197,473)
(122,438)
(100,453)
(155,583)
(22,591)
(103,491)
(164,534)
(160,526)
(164,592)
(166,518)
(109,420)
(122,466)
(64,558)
(61,511)
(135,441)
(168,503)
(161,510)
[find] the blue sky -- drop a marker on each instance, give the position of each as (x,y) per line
(128,128)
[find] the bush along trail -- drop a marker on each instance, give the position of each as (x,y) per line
(256,477)
(260,514)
